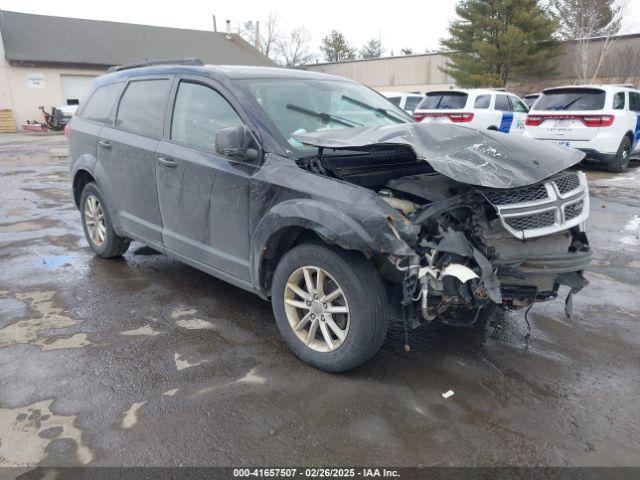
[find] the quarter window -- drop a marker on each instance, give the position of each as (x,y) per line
(395,100)
(518,106)
(618,101)
(482,101)
(101,103)
(198,113)
(142,107)
(411,103)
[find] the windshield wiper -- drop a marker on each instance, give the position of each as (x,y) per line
(380,110)
(564,107)
(325,117)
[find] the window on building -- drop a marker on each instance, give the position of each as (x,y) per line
(482,101)
(142,107)
(618,101)
(101,103)
(198,113)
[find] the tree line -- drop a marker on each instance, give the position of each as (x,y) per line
(489,43)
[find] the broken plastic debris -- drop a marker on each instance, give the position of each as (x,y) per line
(462,273)
(447,394)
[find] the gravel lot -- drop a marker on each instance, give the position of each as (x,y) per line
(146,361)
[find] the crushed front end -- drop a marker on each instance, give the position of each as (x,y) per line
(486,246)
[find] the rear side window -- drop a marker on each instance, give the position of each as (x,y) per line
(412,103)
(618,101)
(571,99)
(503,104)
(394,100)
(444,101)
(482,101)
(198,113)
(142,107)
(101,103)
(634,101)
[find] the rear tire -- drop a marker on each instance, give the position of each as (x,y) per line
(621,160)
(97,226)
(360,331)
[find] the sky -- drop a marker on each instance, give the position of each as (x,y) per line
(418,25)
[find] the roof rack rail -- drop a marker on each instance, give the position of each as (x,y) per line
(182,61)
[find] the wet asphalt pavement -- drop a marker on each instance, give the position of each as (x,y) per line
(146,361)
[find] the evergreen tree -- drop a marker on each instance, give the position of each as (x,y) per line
(336,48)
(372,49)
(495,40)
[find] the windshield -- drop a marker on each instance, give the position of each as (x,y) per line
(571,99)
(444,101)
(298,106)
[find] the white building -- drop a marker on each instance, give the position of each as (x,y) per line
(50,61)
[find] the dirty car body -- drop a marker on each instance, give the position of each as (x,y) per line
(452,220)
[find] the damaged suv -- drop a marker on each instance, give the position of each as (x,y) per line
(319,194)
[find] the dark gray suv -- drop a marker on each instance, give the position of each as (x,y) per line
(319,194)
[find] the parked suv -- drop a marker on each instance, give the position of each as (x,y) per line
(319,194)
(406,101)
(601,120)
(475,108)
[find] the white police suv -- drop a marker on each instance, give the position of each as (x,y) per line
(601,120)
(406,101)
(476,108)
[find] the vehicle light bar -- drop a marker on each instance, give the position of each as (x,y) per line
(454,117)
(588,120)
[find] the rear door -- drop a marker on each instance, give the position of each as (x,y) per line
(504,107)
(127,153)
(561,113)
(204,196)
(634,107)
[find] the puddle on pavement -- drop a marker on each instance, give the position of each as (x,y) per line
(27,431)
(32,331)
(54,261)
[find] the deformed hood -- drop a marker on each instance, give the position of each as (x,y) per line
(484,158)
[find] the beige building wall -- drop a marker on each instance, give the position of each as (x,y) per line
(21,91)
(410,73)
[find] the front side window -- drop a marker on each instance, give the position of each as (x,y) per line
(198,113)
(482,102)
(444,101)
(618,101)
(412,103)
(101,103)
(518,106)
(634,101)
(503,104)
(566,99)
(297,106)
(142,107)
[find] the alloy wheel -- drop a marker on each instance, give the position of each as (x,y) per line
(94,220)
(317,308)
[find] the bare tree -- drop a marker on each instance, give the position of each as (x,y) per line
(406,51)
(265,35)
(295,48)
(592,24)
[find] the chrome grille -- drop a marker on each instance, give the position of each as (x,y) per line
(573,210)
(530,222)
(516,195)
(544,208)
(567,184)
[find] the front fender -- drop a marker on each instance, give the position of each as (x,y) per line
(351,230)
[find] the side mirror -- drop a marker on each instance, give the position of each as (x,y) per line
(235,143)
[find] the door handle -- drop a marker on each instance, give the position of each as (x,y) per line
(104,143)
(167,162)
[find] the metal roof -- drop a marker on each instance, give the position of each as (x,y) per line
(59,40)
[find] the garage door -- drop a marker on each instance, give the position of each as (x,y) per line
(75,87)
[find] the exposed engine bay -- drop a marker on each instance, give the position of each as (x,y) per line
(480,242)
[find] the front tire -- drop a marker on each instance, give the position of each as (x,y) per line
(621,160)
(330,306)
(97,226)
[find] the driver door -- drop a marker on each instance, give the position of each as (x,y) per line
(203,196)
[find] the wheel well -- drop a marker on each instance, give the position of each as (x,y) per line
(630,136)
(79,181)
(278,244)
(493,127)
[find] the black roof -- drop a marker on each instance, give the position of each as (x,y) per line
(60,40)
